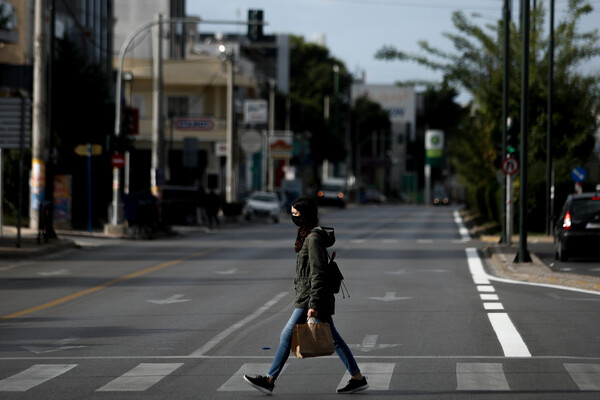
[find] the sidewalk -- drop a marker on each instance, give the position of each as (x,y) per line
(503,266)
(28,244)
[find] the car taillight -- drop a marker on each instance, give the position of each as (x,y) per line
(595,198)
(567,221)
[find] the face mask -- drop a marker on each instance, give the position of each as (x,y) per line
(297,219)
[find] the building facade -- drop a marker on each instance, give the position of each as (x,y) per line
(390,157)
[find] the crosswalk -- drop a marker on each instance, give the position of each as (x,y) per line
(475,376)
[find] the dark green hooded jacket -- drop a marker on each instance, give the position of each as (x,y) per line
(311,286)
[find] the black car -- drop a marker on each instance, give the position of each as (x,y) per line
(577,230)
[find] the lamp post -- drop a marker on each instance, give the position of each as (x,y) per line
(229,183)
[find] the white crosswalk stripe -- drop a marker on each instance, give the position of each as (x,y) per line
(140,378)
(469,376)
(33,376)
(480,376)
(379,375)
(586,376)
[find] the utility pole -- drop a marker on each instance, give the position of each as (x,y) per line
(505,96)
(49,191)
(38,168)
(157,173)
(229,194)
(549,183)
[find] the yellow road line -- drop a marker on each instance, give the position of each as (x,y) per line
(100,287)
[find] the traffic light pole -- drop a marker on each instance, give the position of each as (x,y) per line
(505,238)
(523,254)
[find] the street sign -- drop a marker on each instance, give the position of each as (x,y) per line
(251,142)
(117,160)
(578,174)
(510,166)
(82,150)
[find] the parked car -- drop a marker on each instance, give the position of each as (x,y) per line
(266,205)
(577,230)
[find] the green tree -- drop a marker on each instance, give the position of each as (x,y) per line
(476,66)
(312,79)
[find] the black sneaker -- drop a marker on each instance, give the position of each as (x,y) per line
(354,385)
(260,383)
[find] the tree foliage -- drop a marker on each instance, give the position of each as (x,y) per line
(476,65)
(311,80)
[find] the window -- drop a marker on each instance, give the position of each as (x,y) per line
(177,106)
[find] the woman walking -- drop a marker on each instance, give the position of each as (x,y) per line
(313,297)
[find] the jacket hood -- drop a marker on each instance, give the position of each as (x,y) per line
(326,234)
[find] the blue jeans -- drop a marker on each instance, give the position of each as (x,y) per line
(285,345)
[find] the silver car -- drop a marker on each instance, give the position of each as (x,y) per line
(264,205)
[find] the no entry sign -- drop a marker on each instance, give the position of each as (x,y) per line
(117,160)
(510,166)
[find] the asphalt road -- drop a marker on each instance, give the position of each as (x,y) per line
(185,317)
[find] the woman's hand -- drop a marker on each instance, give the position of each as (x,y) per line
(312,313)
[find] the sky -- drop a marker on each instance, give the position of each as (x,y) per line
(354,30)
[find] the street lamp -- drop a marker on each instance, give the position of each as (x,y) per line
(228,55)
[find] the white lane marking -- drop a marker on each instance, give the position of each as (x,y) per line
(485,296)
(33,376)
(424,241)
(586,376)
(481,376)
(464,232)
(476,267)
(140,378)
(389,296)
(176,298)
(237,384)
(357,241)
(221,336)
(510,340)
(546,285)
(379,375)
(493,306)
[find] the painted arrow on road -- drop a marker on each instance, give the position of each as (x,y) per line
(58,346)
(227,272)
(390,296)
(177,298)
(369,343)
(53,273)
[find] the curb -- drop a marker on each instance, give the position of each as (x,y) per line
(537,272)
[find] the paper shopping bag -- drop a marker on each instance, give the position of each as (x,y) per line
(312,339)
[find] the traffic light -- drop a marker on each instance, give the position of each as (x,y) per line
(512,140)
(130,122)
(255,31)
